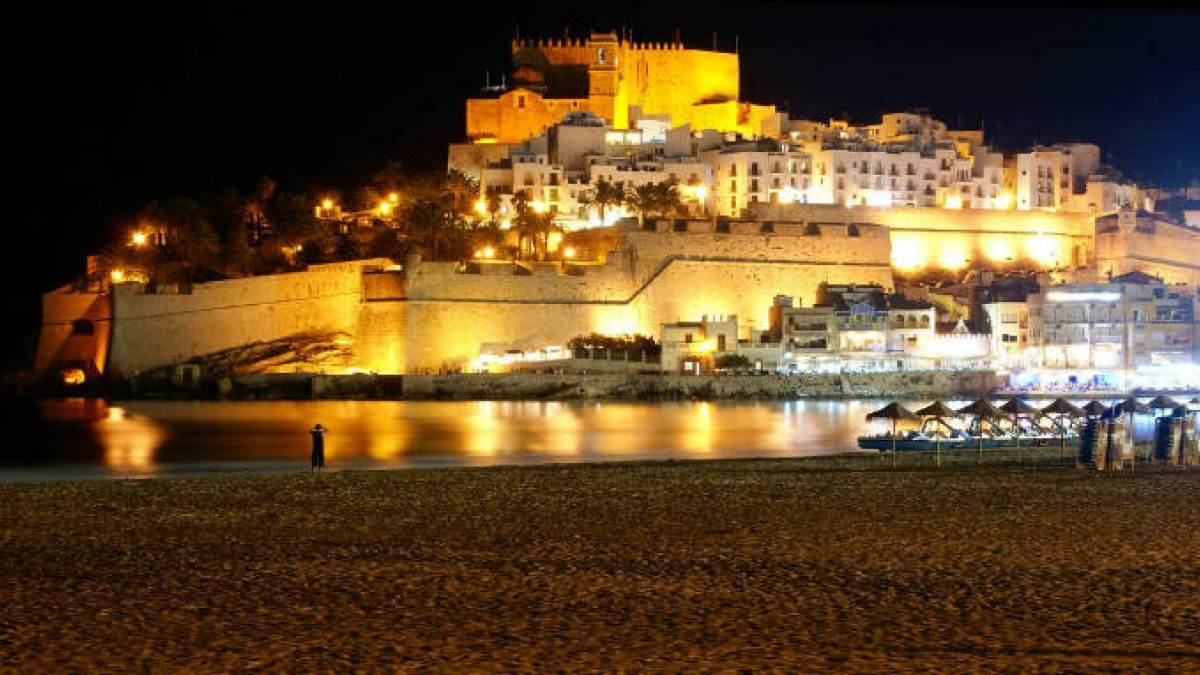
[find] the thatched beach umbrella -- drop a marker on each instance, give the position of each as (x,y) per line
(1131,406)
(940,412)
(1163,402)
(894,412)
(1018,409)
(1062,409)
(1094,408)
(983,410)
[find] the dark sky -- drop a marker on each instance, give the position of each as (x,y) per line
(119,105)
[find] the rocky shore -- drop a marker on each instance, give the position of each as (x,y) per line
(799,565)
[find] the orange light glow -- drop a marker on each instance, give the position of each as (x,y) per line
(73,376)
(907,252)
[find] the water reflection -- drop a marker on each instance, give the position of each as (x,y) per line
(129,441)
(173,437)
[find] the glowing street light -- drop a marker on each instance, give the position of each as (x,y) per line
(138,239)
(385,208)
(481,206)
(569,252)
(327,204)
(489,252)
(117,276)
(394,198)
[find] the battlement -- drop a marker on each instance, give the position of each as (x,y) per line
(580,43)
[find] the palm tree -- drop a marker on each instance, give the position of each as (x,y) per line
(426,221)
(608,195)
(669,201)
(586,201)
(643,199)
(524,220)
(462,188)
(493,207)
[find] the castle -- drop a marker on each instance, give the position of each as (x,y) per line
(608,77)
(774,206)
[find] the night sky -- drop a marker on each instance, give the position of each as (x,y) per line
(117,106)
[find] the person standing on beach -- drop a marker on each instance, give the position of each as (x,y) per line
(318,446)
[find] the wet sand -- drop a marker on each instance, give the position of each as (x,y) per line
(800,565)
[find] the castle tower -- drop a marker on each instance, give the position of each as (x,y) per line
(605,84)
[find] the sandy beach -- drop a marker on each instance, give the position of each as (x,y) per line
(800,565)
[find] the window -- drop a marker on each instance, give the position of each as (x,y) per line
(520,101)
(687,337)
(721,342)
(82,327)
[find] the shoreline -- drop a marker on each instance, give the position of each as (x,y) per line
(811,564)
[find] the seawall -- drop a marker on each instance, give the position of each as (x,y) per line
(606,386)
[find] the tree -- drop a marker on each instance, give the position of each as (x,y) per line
(668,201)
(732,362)
(493,207)
(293,221)
(642,199)
(386,243)
(191,251)
(608,195)
(426,222)
(463,190)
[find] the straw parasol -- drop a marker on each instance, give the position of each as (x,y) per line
(1163,402)
(1094,408)
(1062,408)
(939,411)
(894,412)
(982,409)
(1018,408)
(1131,405)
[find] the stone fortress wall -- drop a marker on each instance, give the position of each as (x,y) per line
(442,317)
(431,316)
(949,238)
(160,328)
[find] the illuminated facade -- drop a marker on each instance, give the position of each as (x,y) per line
(618,80)
(1132,323)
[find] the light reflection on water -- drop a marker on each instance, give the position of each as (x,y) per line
(145,438)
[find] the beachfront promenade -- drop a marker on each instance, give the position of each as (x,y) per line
(823,564)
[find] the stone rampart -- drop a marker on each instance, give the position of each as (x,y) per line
(950,238)
(933,384)
(75,331)
(154,329)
